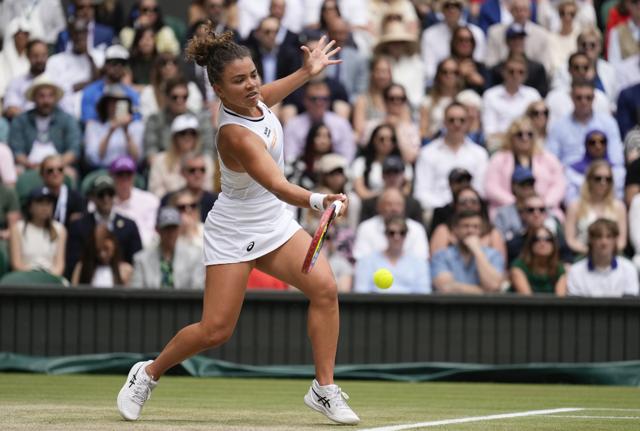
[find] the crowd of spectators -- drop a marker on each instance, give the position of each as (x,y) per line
(486,146)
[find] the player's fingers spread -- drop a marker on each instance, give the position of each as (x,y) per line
(328,47)
(334,52)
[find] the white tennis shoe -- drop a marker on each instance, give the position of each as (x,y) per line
(331,402)
(136,391)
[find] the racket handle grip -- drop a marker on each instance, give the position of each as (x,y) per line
(338,205)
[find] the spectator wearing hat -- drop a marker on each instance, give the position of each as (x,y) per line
(15,99)
(125,230)
(98,36)
(521,148)
(383,12)
(393,176)
(459,178)
(38,241)
(452,150)
(132,202)
(507,219)
(46,129)
(115,132)
(170,264)
(595,148)
(436,39)
(157,132)
(113,72)
(13,56)
(75,68)
(406,65)
(69,204)
(536,76)
(536,44)
(602,273)
(165,174)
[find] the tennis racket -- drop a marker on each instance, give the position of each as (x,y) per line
(318,237)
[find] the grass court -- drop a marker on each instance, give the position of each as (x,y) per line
(88,402)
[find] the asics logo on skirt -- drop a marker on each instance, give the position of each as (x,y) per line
(250,246)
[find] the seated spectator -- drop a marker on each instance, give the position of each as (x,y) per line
(46,18)
(303,171)
(632,180)
(171,264)
(473,73)
(102,264)
(472,102)
(549,14)
(597,200)
(366,170)
(634,229)
(370,235)
(467,266)
(521,149)
(370,106)
(15,99)
(4,129)
(193,168)
(45,129)
(165,175)
(507,218)
(113,72)
(143,53)
(316,102)
(536,75)
(459,179)
(153,98)
(115,132)
(467,199)
(567,135)
(564,39)
(538,113)
(75,68)
(9,214)
(595,145)
(602,273)
(628,112)
(452,150)
(101,194)
(131,202)
(623,38)
(157,132)
(69,204)
(99,34)
(505,102)
(446,86)
(539,269)
(147,13)
(191,228)
(8,174)
(534,215)
(410,272)
(393,176)
(341,267)
(13,56)
(38,241)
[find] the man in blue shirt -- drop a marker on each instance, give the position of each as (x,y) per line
(467,266)
(628,113)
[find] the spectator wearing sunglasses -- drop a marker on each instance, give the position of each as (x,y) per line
(563,39)
(597,200)
(99,36)
(191,228)
(410,272)
(595,148)
(69,204)
(125,230)
(165,175)
(538,113)
(533,215)
(521,149)
(538,269)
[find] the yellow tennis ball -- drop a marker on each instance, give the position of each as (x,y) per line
(383,278)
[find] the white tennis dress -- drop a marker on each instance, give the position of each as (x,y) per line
(247,221)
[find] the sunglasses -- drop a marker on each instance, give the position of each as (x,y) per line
(50,171)
(104,193)
(602,179)
(116,62)
(167,61)
(396,233)
(456,120)
(595,141)
(468,201)
(396,99)
(531,210)
(184,207)
(521,134)
(176,97)
(541,238)
(539,113)
(315,99)
(567,13)
(148,10)
(187,132)
(200,170)
(588,45)
(582,97)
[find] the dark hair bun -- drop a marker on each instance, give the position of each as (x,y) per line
(201,48)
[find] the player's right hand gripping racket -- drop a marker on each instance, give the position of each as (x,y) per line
(318,237)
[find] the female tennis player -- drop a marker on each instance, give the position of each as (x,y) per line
(250,227)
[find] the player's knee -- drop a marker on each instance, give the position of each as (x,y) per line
(216,334)
(327,292)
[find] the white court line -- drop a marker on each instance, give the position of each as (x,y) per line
(592,417)
(473,419)
(612,410)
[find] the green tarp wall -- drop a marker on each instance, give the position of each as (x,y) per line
(606,373)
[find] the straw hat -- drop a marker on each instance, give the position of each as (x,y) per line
(43,81)
(395,31)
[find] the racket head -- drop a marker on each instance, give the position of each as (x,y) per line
(328,216)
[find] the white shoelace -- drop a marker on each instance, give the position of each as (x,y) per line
(339,398)
(141,392)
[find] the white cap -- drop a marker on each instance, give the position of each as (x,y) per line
(184,122)
(116,52)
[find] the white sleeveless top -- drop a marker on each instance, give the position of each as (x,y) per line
(248,221)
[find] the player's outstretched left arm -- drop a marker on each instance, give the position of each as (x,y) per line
(314,62)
